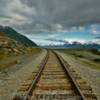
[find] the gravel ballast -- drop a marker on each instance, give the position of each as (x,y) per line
(11,80)
(90,75)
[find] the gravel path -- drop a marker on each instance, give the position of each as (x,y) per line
(11,79)
(90,75)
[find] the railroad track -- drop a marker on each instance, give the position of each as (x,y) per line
(55,80)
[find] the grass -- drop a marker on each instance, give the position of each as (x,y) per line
(9,64)
(9,59)
(97,60)
(91,57)
(95,51)
(2,54)
(92,64)
(27,49)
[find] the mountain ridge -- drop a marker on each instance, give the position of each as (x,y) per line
(74,44)
(11,33)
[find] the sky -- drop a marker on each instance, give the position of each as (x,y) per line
(49,21)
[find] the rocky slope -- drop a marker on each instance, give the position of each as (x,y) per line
(11,33)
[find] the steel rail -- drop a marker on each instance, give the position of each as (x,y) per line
(77,89)
(26,95)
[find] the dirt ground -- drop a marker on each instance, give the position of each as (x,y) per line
(11,79)
(90,75)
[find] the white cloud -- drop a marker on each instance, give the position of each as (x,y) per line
(60,13)
(16,13)
(42,42)
(97,41)
(95,32)
(95,29)
(71,40)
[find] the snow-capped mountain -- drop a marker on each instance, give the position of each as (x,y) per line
(74,44)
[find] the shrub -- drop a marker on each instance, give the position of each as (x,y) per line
(95,51)
(97,60)
(2,54)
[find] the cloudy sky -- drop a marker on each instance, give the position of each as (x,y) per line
(43,20)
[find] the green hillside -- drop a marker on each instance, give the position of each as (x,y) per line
(11,33)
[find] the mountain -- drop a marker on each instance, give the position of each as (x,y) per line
(74,45)
(11,33)
(6,42)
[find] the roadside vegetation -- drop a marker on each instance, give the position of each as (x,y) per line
(12,56)
(90,57)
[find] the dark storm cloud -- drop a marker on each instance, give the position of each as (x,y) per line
(70,12)
(34,15)
(3,5)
